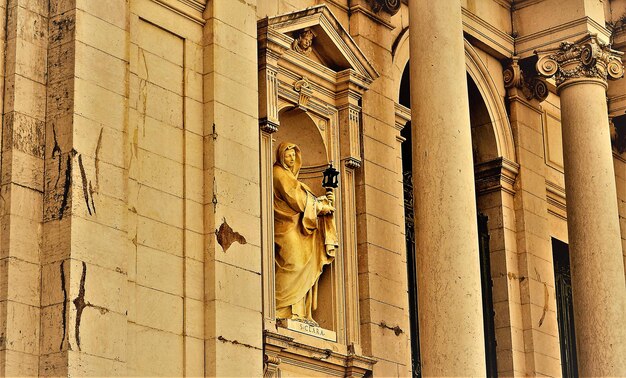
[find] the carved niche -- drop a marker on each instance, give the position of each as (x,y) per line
(312,76)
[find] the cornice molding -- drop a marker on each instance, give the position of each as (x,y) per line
(525,45)
(555,198)
(586,59)
(508,4)
(617,105)
(403,116)
(487,34)
(496,175)
(367,12)
(322,16)
(191,9)
(519,4)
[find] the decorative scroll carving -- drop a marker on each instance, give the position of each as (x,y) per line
(304,42)
(515,76)
(587,58)
(270,368)
(389,6)
(303,87)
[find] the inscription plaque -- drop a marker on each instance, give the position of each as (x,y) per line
(308,329)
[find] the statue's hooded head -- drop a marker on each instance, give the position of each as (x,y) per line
(289,157)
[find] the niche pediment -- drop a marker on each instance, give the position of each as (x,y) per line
(315,35)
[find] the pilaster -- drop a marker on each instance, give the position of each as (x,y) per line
(84,230)
(383,295)
(24,42)
(232,204)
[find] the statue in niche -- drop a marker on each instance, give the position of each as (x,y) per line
(304,43)
(305,237)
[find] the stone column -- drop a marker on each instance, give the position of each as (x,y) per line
(446,236)
(581,70)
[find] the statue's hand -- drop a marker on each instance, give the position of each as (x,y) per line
(326,209)
(331,197)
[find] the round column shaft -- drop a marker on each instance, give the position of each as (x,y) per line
(594,233)
(581,70)
(446,236)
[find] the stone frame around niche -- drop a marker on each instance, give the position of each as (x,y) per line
(326,83)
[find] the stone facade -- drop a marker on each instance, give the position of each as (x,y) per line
(136,213)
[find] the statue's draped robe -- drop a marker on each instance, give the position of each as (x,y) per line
(301,239)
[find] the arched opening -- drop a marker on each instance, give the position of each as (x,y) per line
(484,148)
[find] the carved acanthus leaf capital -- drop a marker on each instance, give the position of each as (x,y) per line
(389,6)
(587,58)
(523,76)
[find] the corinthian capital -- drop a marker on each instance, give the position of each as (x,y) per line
(584,60)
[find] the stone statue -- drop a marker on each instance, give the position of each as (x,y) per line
(305,237)
(304,43)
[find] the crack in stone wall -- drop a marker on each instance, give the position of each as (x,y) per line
(66,186)
(64,320)
(235,342)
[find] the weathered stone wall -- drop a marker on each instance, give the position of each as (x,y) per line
(24,42)
(233,290)
(130,209)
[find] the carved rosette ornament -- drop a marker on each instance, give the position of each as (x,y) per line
(585,59)
(389,6)
(514,76)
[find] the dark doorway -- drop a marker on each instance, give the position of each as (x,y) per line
(407,177)
(487,287)
(407,180)
(564,308)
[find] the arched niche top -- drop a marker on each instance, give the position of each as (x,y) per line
(298,127)
(478,72)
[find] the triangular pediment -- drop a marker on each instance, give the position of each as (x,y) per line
(331,46)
